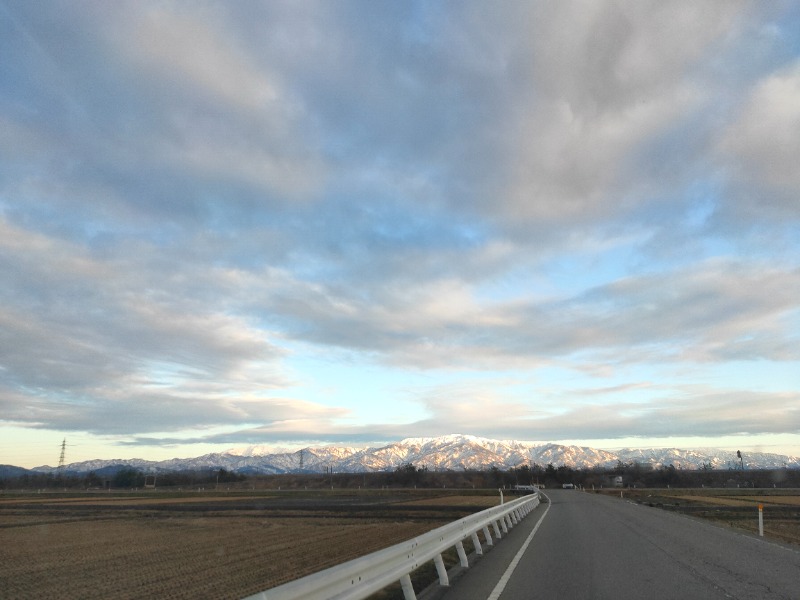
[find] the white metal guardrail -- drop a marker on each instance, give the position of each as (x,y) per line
(358,578)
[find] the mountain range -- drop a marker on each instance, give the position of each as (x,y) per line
(450,452)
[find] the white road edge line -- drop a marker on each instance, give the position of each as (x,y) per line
(501,585)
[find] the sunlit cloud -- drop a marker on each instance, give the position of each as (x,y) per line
(539,221)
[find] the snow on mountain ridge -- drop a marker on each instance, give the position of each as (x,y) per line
(450,452)
(266,450)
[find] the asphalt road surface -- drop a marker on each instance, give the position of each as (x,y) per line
(596,547)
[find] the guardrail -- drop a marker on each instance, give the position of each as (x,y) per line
(358,578)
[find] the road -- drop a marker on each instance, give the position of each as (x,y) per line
(597,547)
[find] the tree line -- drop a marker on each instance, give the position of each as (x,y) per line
(125,478)
(408,475)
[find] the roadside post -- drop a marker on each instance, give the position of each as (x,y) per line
(761,520)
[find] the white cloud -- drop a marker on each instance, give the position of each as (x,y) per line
(588,90)
(189,196)
(103,335)
(194,47)
(761,147)
(715,310)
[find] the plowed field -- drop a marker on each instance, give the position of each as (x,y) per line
(199,547)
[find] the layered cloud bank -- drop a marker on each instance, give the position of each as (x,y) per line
(268,222)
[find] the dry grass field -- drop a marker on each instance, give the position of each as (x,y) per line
(736,508)
(191,546)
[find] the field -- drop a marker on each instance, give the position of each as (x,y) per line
(202,545)
(736,508)
(227,545)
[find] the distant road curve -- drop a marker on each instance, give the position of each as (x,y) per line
(597,547)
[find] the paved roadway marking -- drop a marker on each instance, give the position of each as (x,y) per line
(597,547)
(501,585)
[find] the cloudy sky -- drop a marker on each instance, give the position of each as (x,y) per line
(286,223)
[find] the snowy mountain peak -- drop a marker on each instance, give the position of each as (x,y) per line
(449,452)
(452,438)
(256,450)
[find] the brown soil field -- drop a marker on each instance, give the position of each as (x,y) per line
(716,500)
(750,501)
(211,546)
(775,500)
(123,501)
(479,502)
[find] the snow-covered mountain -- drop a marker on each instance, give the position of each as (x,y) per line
(450,452)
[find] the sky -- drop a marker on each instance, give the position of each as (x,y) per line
(308,223)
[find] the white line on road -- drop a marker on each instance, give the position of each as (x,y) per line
(501,585)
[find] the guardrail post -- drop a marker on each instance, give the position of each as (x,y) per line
(462,555)
(385,567)
(408,588)
(477,543)
(441,570)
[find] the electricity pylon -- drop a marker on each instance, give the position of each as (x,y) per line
(61,458)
